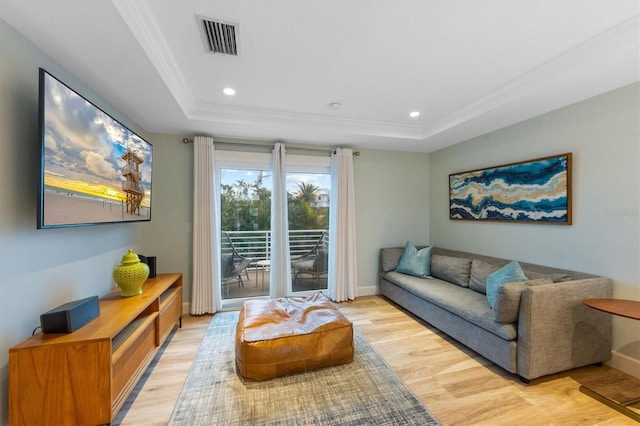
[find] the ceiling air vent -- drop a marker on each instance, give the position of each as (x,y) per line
(221,37)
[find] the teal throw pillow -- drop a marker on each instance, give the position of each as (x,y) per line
(511,272)
(415,262)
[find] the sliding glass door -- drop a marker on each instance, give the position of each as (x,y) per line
(245,218)
(308,205)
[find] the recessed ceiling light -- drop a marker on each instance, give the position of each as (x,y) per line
(229,91)
(414,114)
(335,105)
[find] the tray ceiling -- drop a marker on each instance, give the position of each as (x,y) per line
(468,67)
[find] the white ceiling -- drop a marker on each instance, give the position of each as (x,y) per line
(469,67)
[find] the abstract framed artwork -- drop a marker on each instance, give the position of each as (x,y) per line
(532,191)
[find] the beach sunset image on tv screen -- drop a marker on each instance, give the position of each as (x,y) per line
(94,169)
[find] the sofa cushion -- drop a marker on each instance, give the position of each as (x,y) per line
(479,271)
(389,258)
(456,270)
(506,307)
(415,262)
(460,301)
(511,272)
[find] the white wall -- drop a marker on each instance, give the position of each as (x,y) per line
(392,207)
(169,237)
(602,134)
(40,269)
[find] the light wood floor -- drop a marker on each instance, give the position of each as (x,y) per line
(458,386)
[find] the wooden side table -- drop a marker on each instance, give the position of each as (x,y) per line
(622,392)
(620,307)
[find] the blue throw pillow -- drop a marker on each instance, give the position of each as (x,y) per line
(511,272)
(415,262)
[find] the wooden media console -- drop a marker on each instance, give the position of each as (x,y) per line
(84,377)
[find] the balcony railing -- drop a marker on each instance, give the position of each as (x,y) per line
(256,245)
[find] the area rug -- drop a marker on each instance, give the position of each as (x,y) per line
(364,392)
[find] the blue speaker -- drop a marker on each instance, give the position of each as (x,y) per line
(70,316)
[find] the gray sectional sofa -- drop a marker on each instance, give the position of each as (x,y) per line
(535,328)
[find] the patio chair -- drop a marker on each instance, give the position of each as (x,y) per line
(314,263)
(233,263)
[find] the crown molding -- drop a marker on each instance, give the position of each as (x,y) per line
(206,111)
(613,46)
(143,25)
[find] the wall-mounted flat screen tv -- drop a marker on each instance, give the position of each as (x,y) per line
(94,170)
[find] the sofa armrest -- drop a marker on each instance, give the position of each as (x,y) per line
(557,332)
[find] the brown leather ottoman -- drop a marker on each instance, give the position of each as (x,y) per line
(291,334)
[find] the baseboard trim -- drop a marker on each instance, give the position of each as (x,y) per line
(367,291)
(624,363)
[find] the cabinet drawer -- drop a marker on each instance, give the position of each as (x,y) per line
(133,361)
(170,312)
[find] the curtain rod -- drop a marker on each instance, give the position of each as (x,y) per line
(255,145)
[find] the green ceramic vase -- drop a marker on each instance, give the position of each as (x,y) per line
(130,275)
